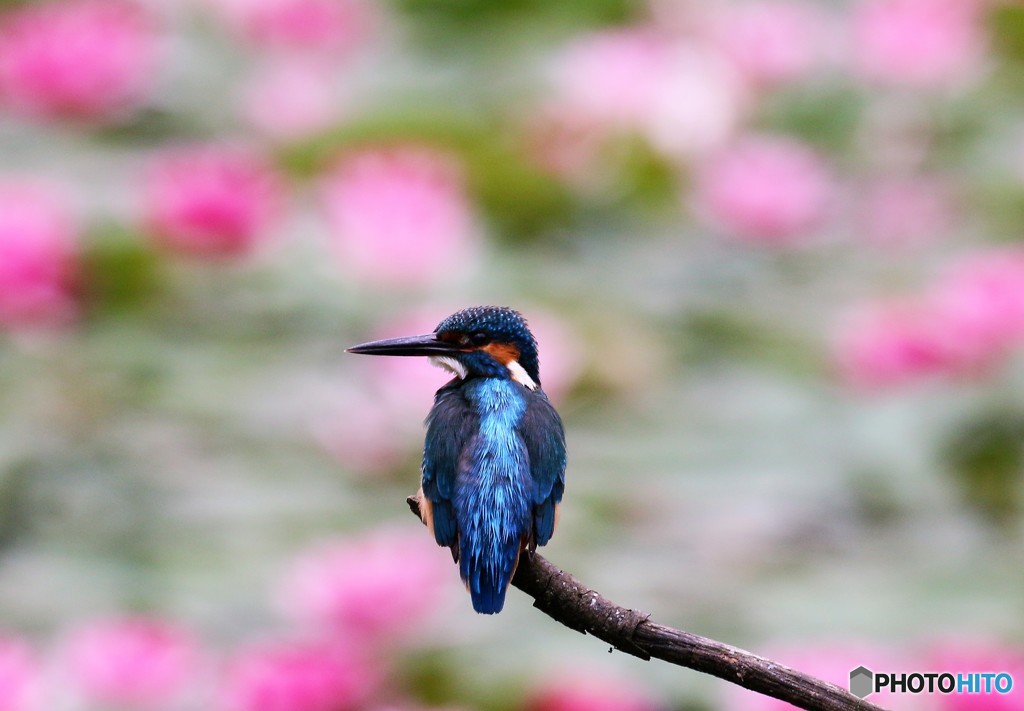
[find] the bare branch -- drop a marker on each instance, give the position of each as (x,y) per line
(565,599)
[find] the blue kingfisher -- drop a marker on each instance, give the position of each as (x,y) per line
(494,457)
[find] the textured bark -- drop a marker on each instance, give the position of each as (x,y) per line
(568,601)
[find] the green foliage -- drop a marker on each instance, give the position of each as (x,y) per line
(985,454)
(1002,206)
(15,506)
(827,116)
(467,15)
(649,179)
(1006,26)
(122,272)
(151,128)
(712,336)
(434,678)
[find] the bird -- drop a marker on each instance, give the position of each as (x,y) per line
(494,456)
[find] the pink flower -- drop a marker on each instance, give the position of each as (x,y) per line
(88,59)
(400,217)
(963,324)
(917,43)
(906,212)
(614,76)
(889,343)
(38,257)
(289,99)
(138,661)
(772,41)
(681,96)
(699,105)
(590,690)
(371,589)
(337,26)
(767,190)
(211,201)
(980,304)
(20,676)
(296,677)
(969,656)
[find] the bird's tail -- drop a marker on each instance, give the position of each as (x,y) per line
(487,571)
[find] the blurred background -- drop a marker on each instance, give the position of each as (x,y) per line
(771,250)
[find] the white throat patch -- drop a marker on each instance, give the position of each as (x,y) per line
(457,369)
(520,375)
(451,365)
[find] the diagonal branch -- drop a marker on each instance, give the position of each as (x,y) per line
(565,599)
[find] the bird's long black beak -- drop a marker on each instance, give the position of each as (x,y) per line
(426,345)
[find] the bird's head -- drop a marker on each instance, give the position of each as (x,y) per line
(482,341)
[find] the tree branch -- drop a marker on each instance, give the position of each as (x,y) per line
(565,599)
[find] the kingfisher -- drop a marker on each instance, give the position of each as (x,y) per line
(494,457)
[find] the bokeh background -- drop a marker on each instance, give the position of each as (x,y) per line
(772,253)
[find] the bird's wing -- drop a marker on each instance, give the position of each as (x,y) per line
(451,425)
(541,430)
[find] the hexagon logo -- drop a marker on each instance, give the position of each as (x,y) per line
(861,682)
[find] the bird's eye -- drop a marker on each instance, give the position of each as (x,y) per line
(479,339)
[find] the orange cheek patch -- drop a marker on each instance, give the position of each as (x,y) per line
(502,352)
